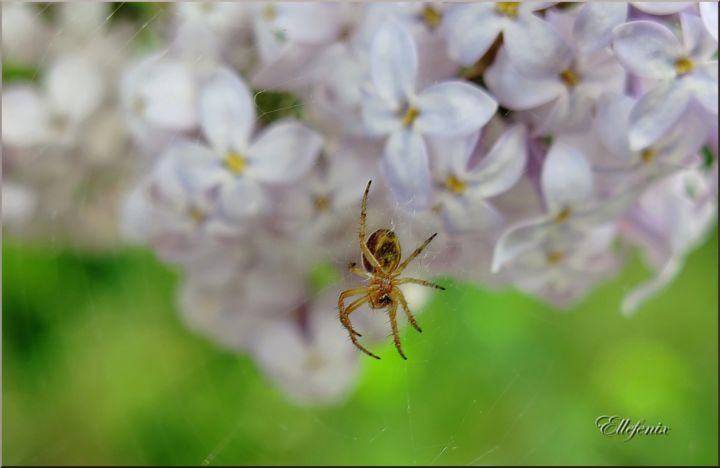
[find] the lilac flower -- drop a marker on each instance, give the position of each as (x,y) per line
(709,15)
(533,45)
(393,108)
(239,162)
(651,50)
(465,187)
(571,208)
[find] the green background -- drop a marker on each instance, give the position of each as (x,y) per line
(98,368)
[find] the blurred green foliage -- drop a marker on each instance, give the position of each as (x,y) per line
(99,369)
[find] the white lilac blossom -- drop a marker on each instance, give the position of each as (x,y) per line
(235,140)
(684,69)
(392,107)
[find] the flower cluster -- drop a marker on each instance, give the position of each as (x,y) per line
(538,138)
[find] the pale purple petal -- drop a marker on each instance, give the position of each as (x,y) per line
(656,112)
(463,214)
(393,62)
(519,238)
(75,86)
(406,169)
(612,123)
(517,92)
(709,15)
(24,114)
(566,177)
(453,108)
(647,49)
(535,47)
(594,25)
(168,96)
(647,290)
(379,117)
(661,8)
(242,199)
(470,31)
(503,165)
(698,43)
(704,86)
(309,22)
(283,152)
(227,112)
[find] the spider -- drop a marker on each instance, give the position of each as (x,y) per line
(381,261)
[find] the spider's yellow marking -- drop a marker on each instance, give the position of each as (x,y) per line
(321,203)
(385,246)
(647,156)
(454,185)
(554,257)
(410,116)
(569,78)
(269,13)
(507,8)
(563,216)
(196,215)
(430,16)
(684,66)
(235,162)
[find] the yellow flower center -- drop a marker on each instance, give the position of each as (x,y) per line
(684,66)
(431,17)
(507,8)
(196,214)
(648,155)
(410,115)
(554,257)
(236,163)
(321,203)
(454,185)
(563,216)
(569,78)
(269,13)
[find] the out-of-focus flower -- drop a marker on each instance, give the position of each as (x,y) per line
(392,107)
(685,70)
(709,15)
(671,218)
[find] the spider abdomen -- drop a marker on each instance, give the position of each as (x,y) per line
(385,246)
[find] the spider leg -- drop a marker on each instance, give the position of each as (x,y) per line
(341,306)
(353,268)
(345,314)
(361,234)
(415,253)
(420,282)
(393,323)
(401,298)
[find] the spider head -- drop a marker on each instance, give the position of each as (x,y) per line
(385,300)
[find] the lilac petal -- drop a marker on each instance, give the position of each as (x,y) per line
(308,22)
(594,25)
(698,43)
(168,93)
(23,117)
(704,86)
(75,86)
(519,238)
(709,15)
(566,177)
(612,123)
(656,112)
(379,117)
(227,112)
(393,62)
(242,199)
(535,47)
(503,165)
(452,155)
(606,211)
(283,152)
(661,8)
(406,168)
(463,214)
(515,91)
(647,49)
(470,31)
(647,290)
(453,108)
